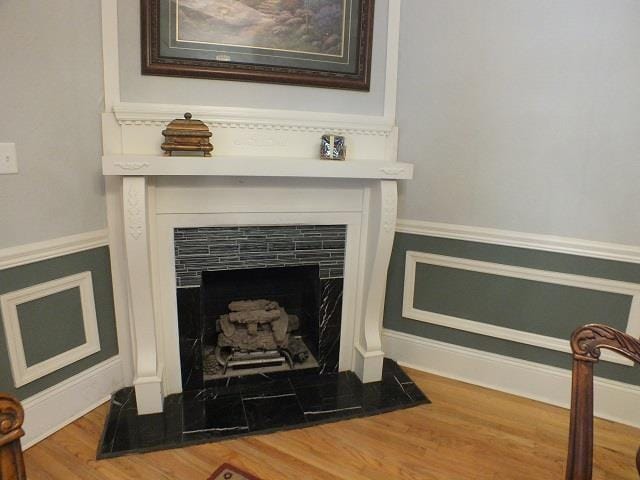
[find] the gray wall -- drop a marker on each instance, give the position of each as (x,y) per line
(51,81)
(50,106)
(149,89)
(523,115)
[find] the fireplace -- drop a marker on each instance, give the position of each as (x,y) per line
(163,197)
(289,274)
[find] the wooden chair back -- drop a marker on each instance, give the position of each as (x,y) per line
(11,418)
(586,343)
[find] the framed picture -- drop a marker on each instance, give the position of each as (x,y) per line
(322,43)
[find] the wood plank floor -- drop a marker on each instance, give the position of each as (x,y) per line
(467,433)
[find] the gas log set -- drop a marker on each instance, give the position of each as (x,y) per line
(256,334)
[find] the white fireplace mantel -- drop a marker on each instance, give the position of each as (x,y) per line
(161,193)
(248,166)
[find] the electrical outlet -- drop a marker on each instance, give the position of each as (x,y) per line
(8,158)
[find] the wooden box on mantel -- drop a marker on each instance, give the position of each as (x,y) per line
(187,136)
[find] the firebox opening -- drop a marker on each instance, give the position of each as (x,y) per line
(259,320)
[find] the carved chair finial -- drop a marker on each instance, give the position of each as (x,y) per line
(11,419)
(586,342)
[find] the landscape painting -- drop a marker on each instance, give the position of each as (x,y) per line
(325,43)
(310,26)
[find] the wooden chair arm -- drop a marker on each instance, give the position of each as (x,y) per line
(11,420)
(586,343)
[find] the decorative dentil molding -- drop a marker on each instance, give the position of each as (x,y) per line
(260,140)
(154,115)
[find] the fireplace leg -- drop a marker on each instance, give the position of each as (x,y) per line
(368,365)
(149,396)
(382,199)
(148,378)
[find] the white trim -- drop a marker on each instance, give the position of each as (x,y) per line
(393,50)
(549,243)
(22,373)
(37,252)
(614,400)
(54,408)
(240,166)
(556,278)
(110,54)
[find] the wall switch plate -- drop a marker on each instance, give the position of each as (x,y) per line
(8,158)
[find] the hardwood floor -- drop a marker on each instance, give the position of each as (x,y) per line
(467,433)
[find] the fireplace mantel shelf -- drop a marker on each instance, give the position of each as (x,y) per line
(237,166)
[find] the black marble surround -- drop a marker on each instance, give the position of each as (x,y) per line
(253,405)
(316,301)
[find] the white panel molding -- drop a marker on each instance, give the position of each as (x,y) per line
(9,302)
(37,252)
(54,408)
(504,333)
(507,238)
(614,400)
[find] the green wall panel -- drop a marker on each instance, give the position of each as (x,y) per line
(58,332)
(514,303)
(529,306)
(57,322)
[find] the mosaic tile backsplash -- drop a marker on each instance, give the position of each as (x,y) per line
(226,248)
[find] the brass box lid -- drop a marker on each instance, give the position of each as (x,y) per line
(188,127)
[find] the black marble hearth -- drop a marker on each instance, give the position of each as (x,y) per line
(253,405)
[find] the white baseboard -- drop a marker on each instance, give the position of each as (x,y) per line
(614,400)
(36,252)
(50,410)
(548,243)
